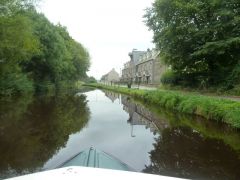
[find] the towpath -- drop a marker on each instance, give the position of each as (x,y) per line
(233,98)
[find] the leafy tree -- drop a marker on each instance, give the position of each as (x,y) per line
(35,53)
(90,79)
(18,45)
(61,57)
(199,39)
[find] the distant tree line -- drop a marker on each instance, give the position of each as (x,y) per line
(35,53)
(199,40)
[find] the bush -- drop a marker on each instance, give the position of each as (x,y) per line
(15,83)
(233,80)
(90,79)
(235,90)
(169,77)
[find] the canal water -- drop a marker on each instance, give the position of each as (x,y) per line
(38,133)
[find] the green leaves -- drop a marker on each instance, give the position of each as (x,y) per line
(34,49)
(194,33)
(17,40)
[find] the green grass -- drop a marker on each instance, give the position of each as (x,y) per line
(223,110)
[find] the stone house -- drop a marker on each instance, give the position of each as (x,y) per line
(111,77)
(129,69)
(143,68)
(149,69)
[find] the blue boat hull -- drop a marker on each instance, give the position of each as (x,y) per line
(97,159)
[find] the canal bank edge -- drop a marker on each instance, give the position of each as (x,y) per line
(223,110)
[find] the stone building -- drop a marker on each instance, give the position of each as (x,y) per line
(111,77)
(145,68)
(129,69)
(149,68)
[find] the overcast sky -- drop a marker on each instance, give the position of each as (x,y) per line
(109,29)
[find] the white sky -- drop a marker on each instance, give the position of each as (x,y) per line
(109,29)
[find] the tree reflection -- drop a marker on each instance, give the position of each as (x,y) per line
(38,130)
(183,152)
(188,146)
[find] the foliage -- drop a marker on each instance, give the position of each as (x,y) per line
(233,80)
(34,52)
(169,77)
(90,79)
(18,45)
(235,90)
(199,39)
(212,108)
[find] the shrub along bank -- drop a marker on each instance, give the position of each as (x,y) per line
(226,111)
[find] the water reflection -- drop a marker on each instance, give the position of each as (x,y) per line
(183,152)
(188,147)
(33,129)
(45,131)
(139,114)
(112,96)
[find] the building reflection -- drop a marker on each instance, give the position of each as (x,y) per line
(187,147)
(139,115)
(111,95)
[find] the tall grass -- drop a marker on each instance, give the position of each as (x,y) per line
(213,108)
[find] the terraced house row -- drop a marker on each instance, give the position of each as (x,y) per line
(144,67)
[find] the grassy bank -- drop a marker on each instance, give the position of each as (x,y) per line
(209,129)
(226,111)
(235,92)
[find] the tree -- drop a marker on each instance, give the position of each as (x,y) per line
(61,57)
(18,45)
(199,39)
(35,53)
